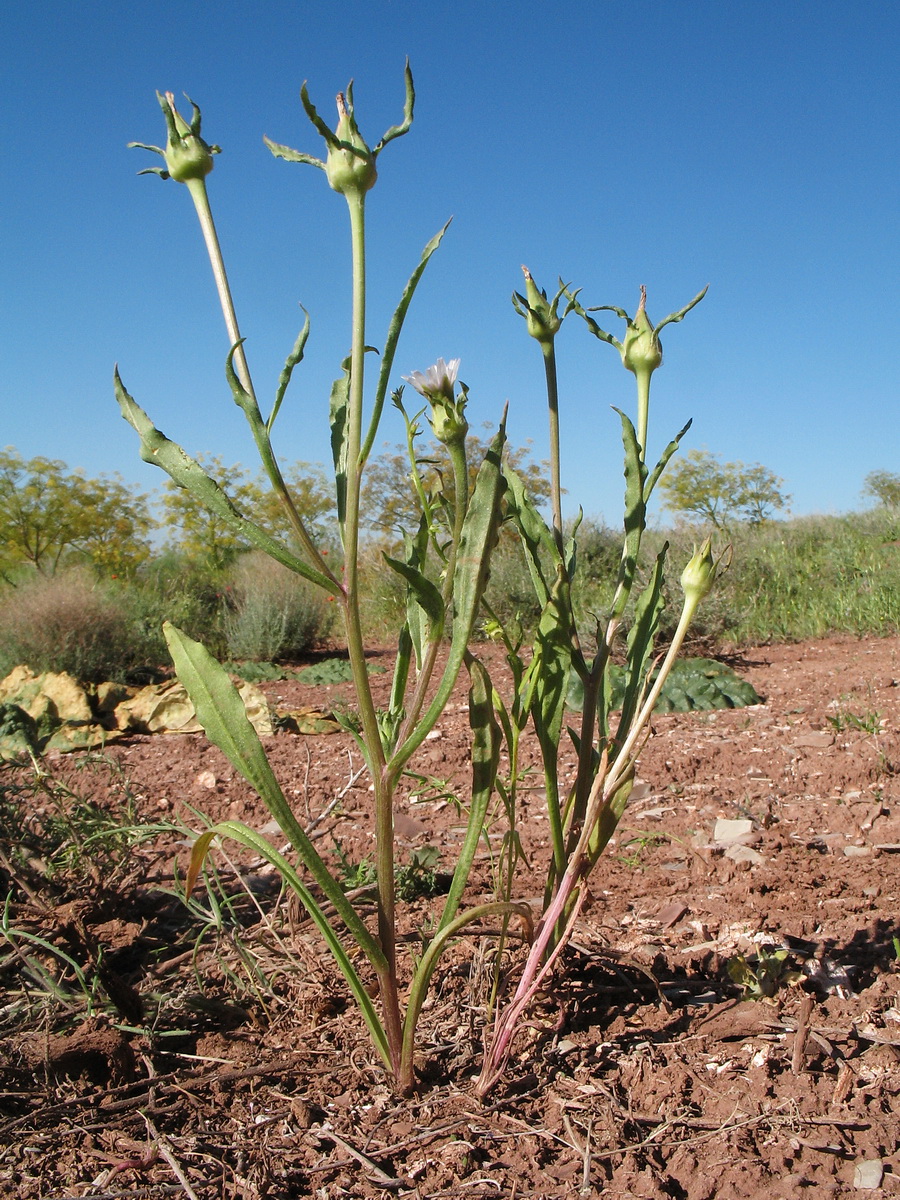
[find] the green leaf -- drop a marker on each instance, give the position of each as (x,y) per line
(425,593)
(295,357)
(338,404)
(535,533)
(641,638)
(692,684)
(158,450)
(393,337)
(221,712)
(485,755)
(259,845)
(663,461)
(635,514)
(479,535)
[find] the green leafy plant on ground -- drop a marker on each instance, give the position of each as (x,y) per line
(441,570)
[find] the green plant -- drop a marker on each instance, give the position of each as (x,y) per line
(633,849)
(272,613)
(418,877)
(51,516)
(441,569)
(763,974)
(584,813)
(883,486)
(353,875)
(703,487)
(387,740)
(332,670)
(845,718)
(70,622)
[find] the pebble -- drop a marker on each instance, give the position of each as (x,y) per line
(868,1173)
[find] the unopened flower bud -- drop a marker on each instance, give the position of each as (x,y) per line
(350,165)
(641,347)
(699,575)
(187,155)
(541,317)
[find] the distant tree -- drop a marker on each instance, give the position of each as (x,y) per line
(50,515)
(390,502)
(700,485)
(883,486)
(205,538)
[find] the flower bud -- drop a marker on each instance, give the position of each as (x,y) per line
(350,165)
(447,420)
(641,347)
(436,385)
(541,318)
(699,575)
(188,157)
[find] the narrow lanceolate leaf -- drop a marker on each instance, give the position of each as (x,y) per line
(393,337)
(295,357)
(158,450)
(486,742)
(641,638)
(663,461)
(221,712)
(479,535)
(340,399)
(425,594)
(554,645)
(249,838)
(635,514)
(539,542)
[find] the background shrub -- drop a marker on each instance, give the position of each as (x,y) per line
(272,613)
(69,622)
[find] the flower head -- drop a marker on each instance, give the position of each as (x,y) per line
(349,162)
(699,575)
(187,155)
(540,314)
(437,381)
(447,412)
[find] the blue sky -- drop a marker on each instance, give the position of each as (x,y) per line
(752,146)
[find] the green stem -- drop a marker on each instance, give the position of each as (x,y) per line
(382,784)
(200,197)
(643,410)
(549,353)
(419,987)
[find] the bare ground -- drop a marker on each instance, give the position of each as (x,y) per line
(224,1060)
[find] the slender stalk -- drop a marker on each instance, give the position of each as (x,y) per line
(549,353)
(200,197)
(643,410)
(621,764)
(382,784)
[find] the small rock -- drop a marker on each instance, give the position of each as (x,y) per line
(868,1173)
(744,854)
(857,851)
(727,832)
(672,914)
(206,779)
(814,741)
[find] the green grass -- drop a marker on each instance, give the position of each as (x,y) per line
(813,576)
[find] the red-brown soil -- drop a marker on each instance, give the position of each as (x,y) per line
(229,1063)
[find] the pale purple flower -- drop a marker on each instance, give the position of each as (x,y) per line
(437,380)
